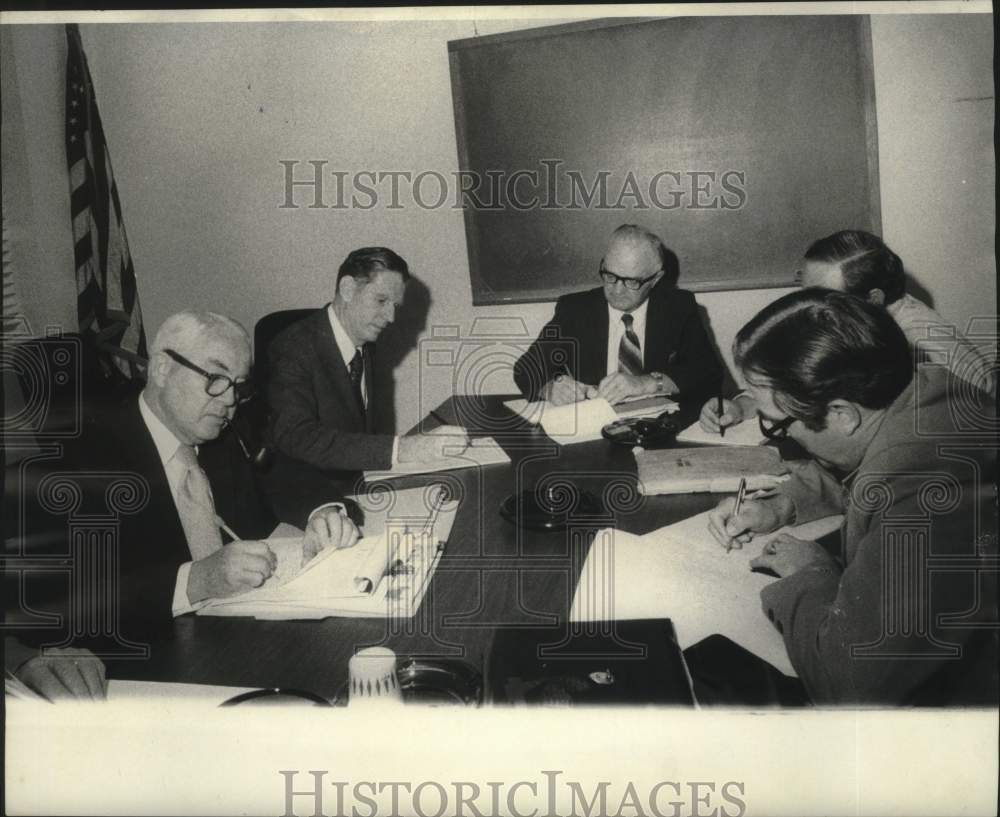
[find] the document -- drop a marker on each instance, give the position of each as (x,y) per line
(746,433)
(384,575)
(481,451)
(582,421)
(716,470)
(680,572)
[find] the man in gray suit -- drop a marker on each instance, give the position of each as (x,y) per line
(320,388)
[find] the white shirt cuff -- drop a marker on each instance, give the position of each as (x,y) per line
(395,452)
(338,505)
(182,604)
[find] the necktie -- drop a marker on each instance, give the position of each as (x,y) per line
(195,506)
(629,353)
(356,369)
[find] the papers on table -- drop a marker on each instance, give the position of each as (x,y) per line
(716,470)
(481,451)
(680,572)
(384,575)
(745,433)
(582,422)
(209,694)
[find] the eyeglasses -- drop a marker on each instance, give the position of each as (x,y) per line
(629,283)
(775,429)
(216,385)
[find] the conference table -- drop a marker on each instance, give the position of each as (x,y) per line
(493,575)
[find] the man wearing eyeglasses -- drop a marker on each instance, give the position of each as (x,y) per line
(905,612)
(199,534)
(637,334)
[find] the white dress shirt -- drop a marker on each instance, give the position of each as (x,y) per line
(616,331)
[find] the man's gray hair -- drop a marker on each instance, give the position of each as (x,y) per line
(186,331)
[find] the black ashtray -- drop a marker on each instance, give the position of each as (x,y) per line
(647,432)
(550,508)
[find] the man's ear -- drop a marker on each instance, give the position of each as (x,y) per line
(843,416)
(876,297)
(347,288)
(159,368)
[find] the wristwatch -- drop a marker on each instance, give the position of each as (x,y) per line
(658,377)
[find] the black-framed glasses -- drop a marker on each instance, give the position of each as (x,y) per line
(629,283)
(775,429)
(216,385)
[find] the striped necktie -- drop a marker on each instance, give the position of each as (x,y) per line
(629,352)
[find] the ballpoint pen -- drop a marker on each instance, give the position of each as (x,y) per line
(719,412)
(741,492)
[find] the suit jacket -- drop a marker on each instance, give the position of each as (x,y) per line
(314,416)
(676,343)
(151,541)
(854,631)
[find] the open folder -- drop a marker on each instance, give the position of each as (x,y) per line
(384,575)
(680,572)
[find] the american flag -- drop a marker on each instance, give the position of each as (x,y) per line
(107,299)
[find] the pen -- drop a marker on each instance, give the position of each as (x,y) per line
(741,492)
(228,530)
(720,411)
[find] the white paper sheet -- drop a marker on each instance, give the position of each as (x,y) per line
(680,572)
(746,433)
(481,451)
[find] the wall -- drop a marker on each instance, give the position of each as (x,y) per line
(198,117)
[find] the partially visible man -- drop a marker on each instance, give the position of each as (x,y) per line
(59,674)
(862,265)
(635,335)
(320,387)
(902,615)
(178,549)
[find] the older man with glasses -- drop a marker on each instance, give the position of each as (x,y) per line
(637,334)
(905,611)
(199,533)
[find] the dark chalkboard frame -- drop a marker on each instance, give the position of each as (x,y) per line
(484,293)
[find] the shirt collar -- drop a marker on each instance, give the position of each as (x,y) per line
(344,342)
(164,439)
(638,315)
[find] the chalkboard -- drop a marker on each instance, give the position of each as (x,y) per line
(738,140)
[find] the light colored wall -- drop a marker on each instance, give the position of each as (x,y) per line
(198,117)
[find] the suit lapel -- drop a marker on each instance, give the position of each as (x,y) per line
(333,365)
(594,362)
(161,508)
(368,355)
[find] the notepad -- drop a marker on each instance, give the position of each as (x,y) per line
(481,451)
(208,694)
(680,572)
(745,433)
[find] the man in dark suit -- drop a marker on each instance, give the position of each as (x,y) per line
(637,334)
(320,386)
(177,548)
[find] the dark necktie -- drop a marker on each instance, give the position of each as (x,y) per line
(356,369)
(629,353)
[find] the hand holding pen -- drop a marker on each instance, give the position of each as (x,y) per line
(736,520)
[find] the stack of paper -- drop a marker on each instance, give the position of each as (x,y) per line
(680,572)
(718,470)
(481,451)
(384,575)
